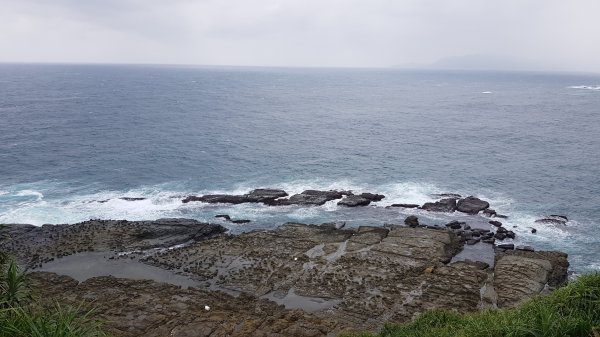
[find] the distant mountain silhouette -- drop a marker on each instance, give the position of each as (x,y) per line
(485,62)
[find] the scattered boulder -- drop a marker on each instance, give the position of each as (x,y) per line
(471,205)
(509,246)
(500,236)
(223,216)
(455,224)
(354,201)
(444,205)
(533,230)
(239,222)
(411,221)
(496,223)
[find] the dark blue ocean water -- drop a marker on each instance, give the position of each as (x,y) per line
(73,135)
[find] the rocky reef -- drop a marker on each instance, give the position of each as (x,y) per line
(295,280)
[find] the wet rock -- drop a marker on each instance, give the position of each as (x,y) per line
(506,246)
(455,224)
(240,221)
(217,199)
(372,196)
(444,205)
(500,236)
(314,197)
(495,223)
(501,216)
(447,195)
(510,234)
(525,248)
(472,241)
(132,198)
(265,195)
(471,205)
(223,216)
(411,221)
(488,240)
(563,217)
(553,220)
(533,230)
(404,205)
(489,212)
(354,201)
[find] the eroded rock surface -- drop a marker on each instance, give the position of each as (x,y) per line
(36,245)
(132,308)
(357,278)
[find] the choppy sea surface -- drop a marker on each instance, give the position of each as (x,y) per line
(76,138)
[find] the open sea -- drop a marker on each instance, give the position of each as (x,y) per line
(76,138)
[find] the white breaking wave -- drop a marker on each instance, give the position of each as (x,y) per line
(164,200)
(27,193)
(585,87)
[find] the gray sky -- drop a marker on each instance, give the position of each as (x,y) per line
(537,34)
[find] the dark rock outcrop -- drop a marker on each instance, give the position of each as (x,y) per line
(471,205)
(314,197)
(372,196)
(495,223)
(132,198)
(264,195)
(354,201)
(404,205)
(411,221)
(444,205)
(447,195)
(553,220)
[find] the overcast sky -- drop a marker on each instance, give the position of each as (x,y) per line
(549,34)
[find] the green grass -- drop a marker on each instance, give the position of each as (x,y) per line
(21,316)
(573,310)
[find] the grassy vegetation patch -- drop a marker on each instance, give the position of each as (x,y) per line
(21,316)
